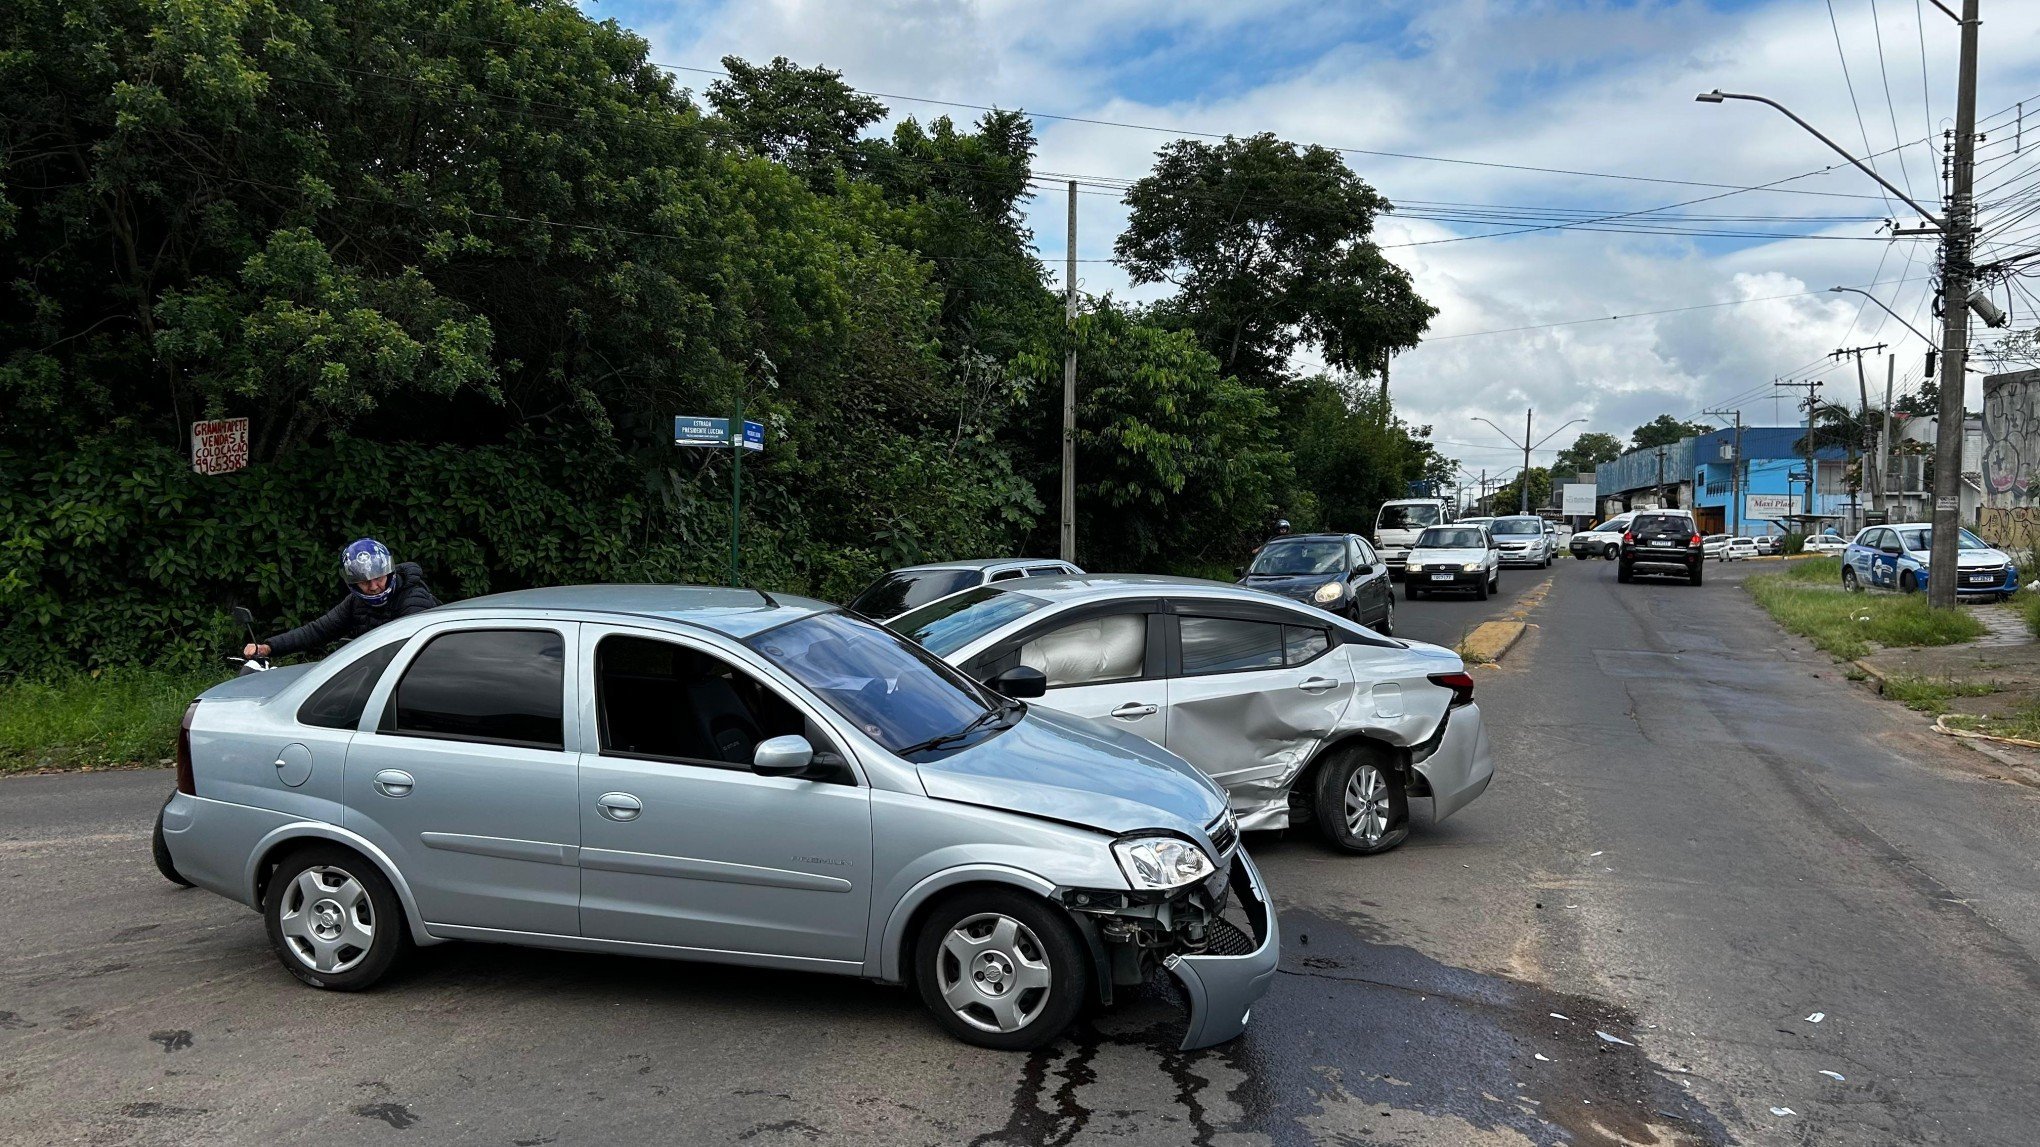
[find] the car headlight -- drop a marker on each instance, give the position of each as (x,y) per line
(1329,592)
(1471,567)
(1415,567)
(1161,862)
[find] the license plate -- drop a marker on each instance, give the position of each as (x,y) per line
(1441,577)
(1984,579)
(1661,543)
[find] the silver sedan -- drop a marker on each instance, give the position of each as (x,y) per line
(1302,716)
(717,775)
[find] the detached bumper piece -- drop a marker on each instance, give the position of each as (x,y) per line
(1224,983)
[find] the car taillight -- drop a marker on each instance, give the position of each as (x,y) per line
(1461,685)
(186,784)
(1696,540)
(1628,537)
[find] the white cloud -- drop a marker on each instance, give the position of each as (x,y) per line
(1587,86)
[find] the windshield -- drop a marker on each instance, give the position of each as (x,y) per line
(1920,540)
(898,695)
(902,590)
(1410,516)
(1517,526)
(945,626)
(1456,538)
(1318,556)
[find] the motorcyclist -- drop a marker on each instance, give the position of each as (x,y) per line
(1281,529)
(378,591)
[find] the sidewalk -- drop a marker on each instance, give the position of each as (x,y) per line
(2002,668)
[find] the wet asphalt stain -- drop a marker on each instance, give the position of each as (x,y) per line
(1353,1025)
(807,1131)
(9,1021)
(151,1110)
(395,1114)
(135,932)
(172,1040)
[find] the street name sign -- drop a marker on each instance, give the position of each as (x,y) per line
(219,445)
(714,433)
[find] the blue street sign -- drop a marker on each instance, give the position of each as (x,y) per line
(714,433)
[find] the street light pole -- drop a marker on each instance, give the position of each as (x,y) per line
(1526,446)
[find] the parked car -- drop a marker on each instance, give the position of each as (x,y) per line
(903,589)
(1303,716)
(1824,544)
(1452,558)
(1664,542)
(718,775)
(1604,540)
(1715,546)
(1400,520)
(1770,544)
(1338,572)
(1898,557)
(1522,539)
(1741,549)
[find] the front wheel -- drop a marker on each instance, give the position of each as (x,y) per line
(1907,584)
(333,919)
(1001,969)
(1850,581)
(1482,589)
(1612,552)
(1361,804)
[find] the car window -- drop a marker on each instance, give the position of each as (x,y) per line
(902,590)
(1229,645)
(338,703)
(666,701)
(1646,524)
(1046,571)
(1301,643)
(499,686)
(1452,538)
(1410,517)
(1092,651)
(1366,552)
(1009,575)
(889,688)
(950,624)
(1511,526)
(1301,556)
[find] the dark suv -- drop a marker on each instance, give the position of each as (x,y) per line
(1663,541)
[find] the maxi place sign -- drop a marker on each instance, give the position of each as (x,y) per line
(219,445)
(1771,506)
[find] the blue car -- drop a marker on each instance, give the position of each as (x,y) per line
(1896,557)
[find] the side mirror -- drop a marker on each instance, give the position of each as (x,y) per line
(1239,571)
(782,756)
(1019,682)
(1892,550)
(242,617)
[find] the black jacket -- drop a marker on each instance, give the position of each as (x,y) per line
(354,617)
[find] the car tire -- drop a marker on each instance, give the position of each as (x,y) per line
(320,902)
(1907,584)
(1009,936)
(161,849)
(1699,572)
(1613,552)
(1850,581)
(1480,590)
(1386,628)
(1624,573)
(1361,803)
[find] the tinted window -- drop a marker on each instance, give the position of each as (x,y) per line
(503,686)
(1009,575)
(1412,517)
(1301,643)
(952,623)
(1457,538)
(1516,526)
(1224,645)
(660,699)
(901,591)
(1091,652)
(338,703)
(1366,552)
(1046,571)
(1313,556)
(892,690)
(1659,524)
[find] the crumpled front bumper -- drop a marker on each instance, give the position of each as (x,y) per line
(1222,989)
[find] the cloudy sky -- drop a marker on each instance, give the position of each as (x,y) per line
(1471,95)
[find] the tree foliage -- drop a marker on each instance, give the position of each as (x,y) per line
(1588,451)
(1664,430)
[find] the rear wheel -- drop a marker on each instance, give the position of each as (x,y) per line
(1624,573)
(1361,804)
(1849,581)
(161,849)
(1386,627)
(1699,571)
(1000,968)
(1612,552)
(333,919)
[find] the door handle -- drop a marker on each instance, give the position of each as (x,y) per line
(1132,709)
(391,782)
(619,806)
(1318,685)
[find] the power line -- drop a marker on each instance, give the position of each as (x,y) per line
(1631,315)
(1851,83)
(1877,28)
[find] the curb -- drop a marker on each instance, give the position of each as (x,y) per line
(1489,640)
(1941,726)
(1871,674)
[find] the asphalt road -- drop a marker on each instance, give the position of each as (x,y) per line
(1700,837)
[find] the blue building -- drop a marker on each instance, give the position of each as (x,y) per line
(1699,474)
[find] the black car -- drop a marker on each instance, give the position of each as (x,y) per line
(1338,572)
(1662,542)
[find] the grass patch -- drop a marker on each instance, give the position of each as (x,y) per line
(1931,695)
(2021,723)
(2028,604)
(1850,625)
(1817,571)
(121,717)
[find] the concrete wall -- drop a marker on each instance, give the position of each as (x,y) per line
(2009,462)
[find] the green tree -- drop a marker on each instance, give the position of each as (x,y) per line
(1587,451)
(1508,499)
(1352,455)
(805,118)
(1664,430)
(1268,245)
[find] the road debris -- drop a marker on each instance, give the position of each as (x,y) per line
(1816,1017)
(1837,1076)
(1782,1111)
(1596,853)
(1540,1057)
(1606,1038)
(1556,1016)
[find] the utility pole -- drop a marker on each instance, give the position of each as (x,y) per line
(1069,423)
(1661,478)
(1812,400)
(1734,470)
(1863,392)
(1884,441)
(1955,273)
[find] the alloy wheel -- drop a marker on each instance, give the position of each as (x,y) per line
(327,919)
(1367,809)
(993,972)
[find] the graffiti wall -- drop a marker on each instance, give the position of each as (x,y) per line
(2010,515)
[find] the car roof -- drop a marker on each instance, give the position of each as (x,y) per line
(1304,537)
(732,612)
(1083,587)
(978,564)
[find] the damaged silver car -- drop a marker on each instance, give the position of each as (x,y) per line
(717,775)
(1304,717)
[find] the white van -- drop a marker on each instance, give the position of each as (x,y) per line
(1399,522)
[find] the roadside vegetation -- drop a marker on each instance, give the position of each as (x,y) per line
(2020,724)
(1930,694)
(119,717)
(1805,597)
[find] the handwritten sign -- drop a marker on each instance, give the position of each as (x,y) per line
(219,445)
